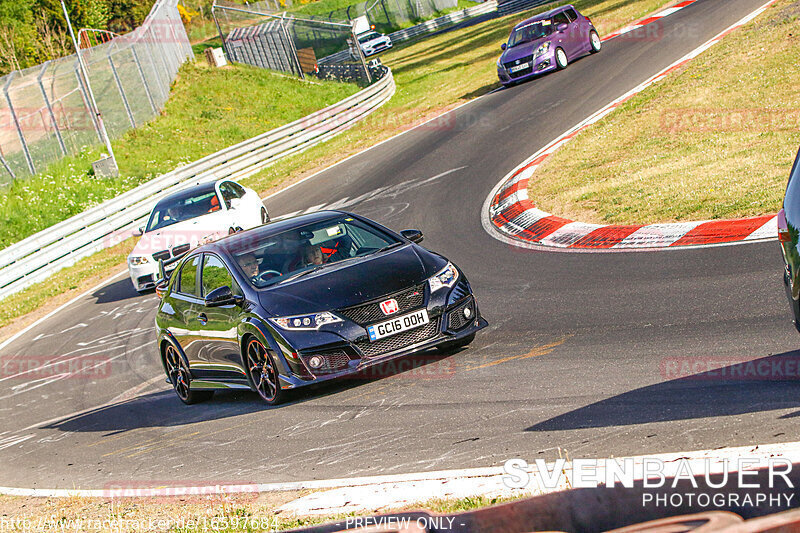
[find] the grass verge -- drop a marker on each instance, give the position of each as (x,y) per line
(208,110)
(432,76)
(235,513)
(715,139)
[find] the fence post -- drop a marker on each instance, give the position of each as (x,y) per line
(144,79)
(16,123)
(295,59)
(50,108)
(121,90)
(7,167)
(88,105)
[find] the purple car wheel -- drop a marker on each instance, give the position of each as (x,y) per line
(561,59)
(594,41)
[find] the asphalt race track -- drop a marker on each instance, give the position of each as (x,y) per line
(575,355)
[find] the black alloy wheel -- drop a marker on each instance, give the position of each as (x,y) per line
(262,373)
(180,378)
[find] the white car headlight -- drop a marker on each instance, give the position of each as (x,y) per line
(444,278)
(136,260)
(543,49)
(308,322)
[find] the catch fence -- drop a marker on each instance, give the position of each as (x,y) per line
(45,111)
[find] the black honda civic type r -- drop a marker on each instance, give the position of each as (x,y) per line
(305,300)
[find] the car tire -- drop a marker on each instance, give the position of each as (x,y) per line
(594,42)
(453,346)
(262,372)
(264,216)
(794,304)
(181,378)
(561,59)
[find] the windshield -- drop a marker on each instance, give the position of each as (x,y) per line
(529,32)
(173,210)
(294,252)
(368,37)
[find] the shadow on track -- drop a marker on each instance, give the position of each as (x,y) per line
(764,384)
(116,292)
(164,409)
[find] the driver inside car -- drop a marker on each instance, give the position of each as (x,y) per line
(249,265)
(313,255)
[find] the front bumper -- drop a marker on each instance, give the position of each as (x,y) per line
(540,65)
(447,325)
(377,49)
(144,276)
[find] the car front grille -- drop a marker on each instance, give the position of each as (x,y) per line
(399,341)
(180,250)
(162,255)
(520,73)
(526,59)
(364,314)
(456,319)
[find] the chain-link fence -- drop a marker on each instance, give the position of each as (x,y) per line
(254,34)
(294,37)
(45,113)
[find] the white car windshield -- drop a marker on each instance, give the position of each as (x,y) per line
(179,208)
(368,37)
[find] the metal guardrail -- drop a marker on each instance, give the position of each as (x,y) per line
(41,255)
(434,24)
(424,28)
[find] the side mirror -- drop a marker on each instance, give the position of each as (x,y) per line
(221,296)
(413,235)
(138,232)
(562,27)
(503,47)
(236,203)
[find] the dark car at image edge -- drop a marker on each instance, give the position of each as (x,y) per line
(789,238)
(306,300)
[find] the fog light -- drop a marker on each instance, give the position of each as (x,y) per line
(316,361)
(467,312)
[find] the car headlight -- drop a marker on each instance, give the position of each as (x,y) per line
(542,50)
(444,278)
(136,260)
(311,321)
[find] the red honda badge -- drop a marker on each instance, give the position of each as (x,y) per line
(390,307)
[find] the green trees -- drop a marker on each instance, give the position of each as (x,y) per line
(34,31)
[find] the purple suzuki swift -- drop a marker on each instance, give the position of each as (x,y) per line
(546,42)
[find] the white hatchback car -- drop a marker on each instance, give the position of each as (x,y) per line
(188,218)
